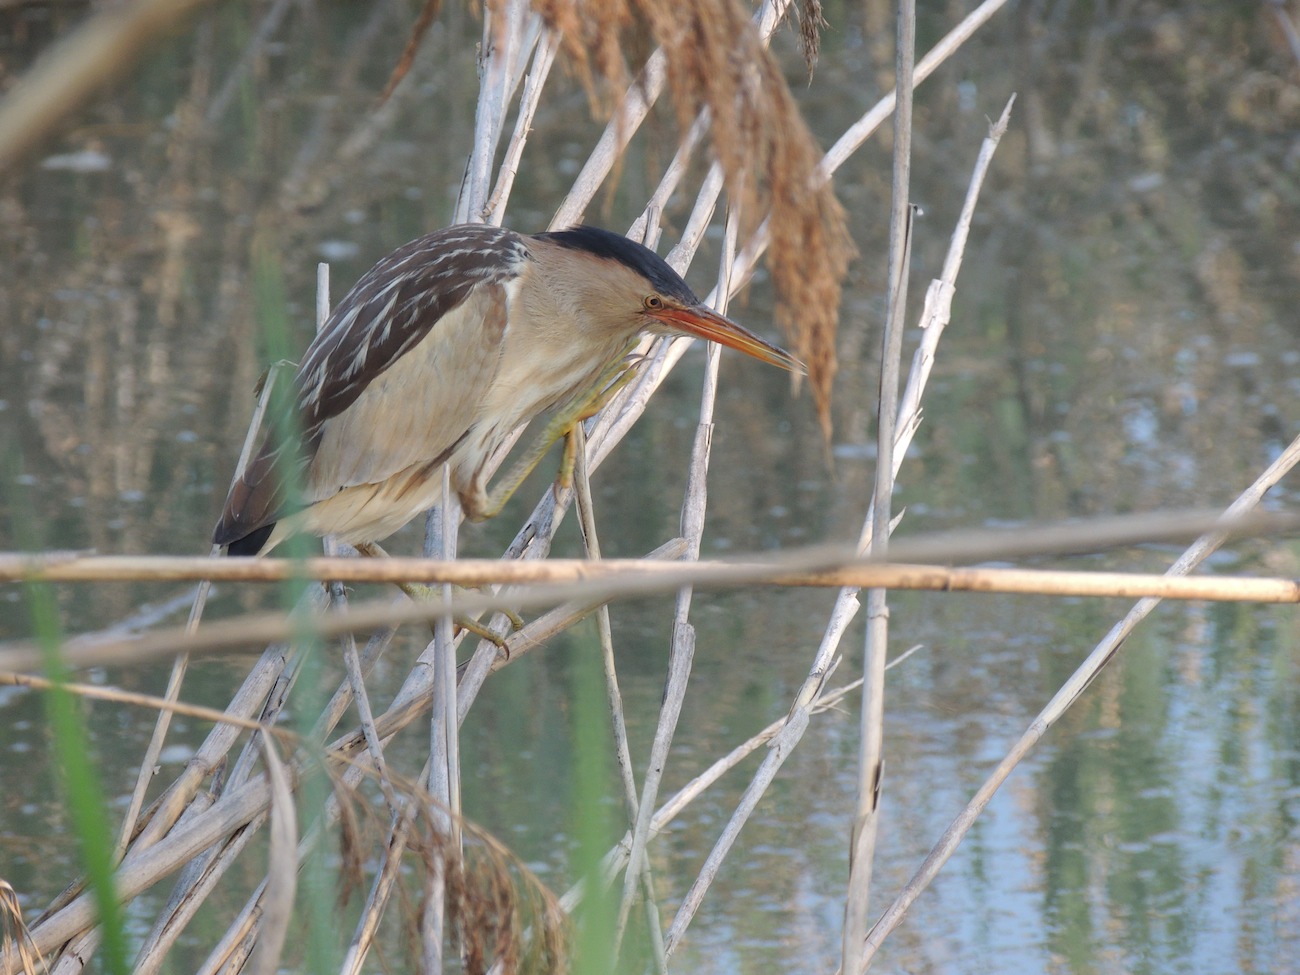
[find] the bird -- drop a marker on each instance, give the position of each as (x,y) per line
(437,355)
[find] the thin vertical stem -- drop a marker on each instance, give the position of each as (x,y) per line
(339,599)
(507,30)
(587,521)
(871,761)
(509,33)
(444,742)
(682,653)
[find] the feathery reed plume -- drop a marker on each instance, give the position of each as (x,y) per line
(811,21)
(717,60)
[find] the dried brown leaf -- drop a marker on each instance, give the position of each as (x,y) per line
(16,936)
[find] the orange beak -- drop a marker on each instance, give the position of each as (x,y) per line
(705,323)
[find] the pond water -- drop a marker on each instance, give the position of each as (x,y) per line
(1124,339)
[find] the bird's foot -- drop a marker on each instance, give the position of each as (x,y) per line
(428,594)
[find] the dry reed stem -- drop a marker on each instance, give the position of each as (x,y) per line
(866,821)
(282,865)
(508,38)
(622,751)
(648,579)
(510,34)
(381,888)
(692,528)
(693,513)
(543,58)
(1065,697)
(443,774)
(682,650)
(198,879)
(804,566)
(339,600)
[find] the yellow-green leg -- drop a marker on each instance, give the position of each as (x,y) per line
(559,427)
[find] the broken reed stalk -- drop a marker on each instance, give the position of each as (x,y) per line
(866,821)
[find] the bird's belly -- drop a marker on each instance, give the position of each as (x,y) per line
(370,512)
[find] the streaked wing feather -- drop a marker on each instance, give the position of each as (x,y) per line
(386,314)
(393,307)
(417,410)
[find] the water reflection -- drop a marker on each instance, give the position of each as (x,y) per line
(1124,340)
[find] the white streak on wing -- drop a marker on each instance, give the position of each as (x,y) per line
(362,349)
(341,324)
(513,309)
(387,289)
(390,265)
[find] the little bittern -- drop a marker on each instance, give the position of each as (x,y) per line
(437,355)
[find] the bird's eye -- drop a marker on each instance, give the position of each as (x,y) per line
(653,303)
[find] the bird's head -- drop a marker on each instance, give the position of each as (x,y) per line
(632,280)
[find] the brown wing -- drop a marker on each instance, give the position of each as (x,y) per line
(387,314)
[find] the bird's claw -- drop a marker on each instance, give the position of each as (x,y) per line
(423,593)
